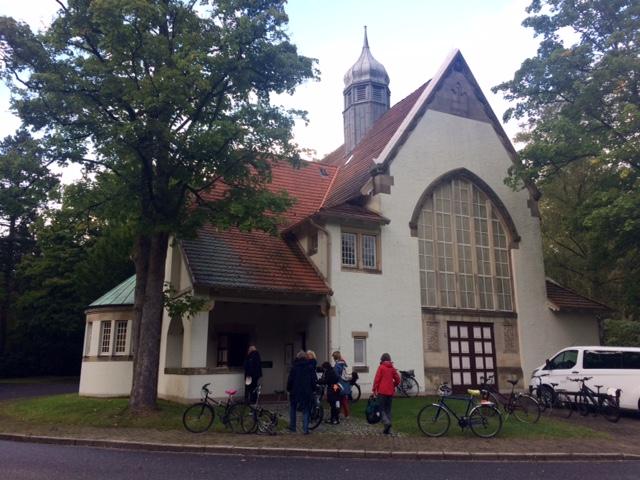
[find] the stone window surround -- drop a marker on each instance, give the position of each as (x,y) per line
(359,266)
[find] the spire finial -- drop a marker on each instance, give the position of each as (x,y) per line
(366,40)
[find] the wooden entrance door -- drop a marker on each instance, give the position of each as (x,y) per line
(472,354)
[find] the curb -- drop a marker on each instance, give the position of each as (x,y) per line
(321,453)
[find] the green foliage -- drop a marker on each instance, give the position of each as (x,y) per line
(78,257)
(580,104)
(623,333)
(172,98)
(183,305)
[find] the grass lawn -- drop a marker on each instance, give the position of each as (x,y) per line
(405,413)
(72,410)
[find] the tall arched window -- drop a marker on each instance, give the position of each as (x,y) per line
(464,250)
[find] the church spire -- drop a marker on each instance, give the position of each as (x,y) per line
(366,96)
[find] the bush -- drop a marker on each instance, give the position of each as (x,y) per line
(622,333)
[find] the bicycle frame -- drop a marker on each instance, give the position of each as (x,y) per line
(463,421)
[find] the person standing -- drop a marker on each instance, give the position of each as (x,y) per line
(384,386)
(252,374)
(341,370)
(301,383)
(332,382)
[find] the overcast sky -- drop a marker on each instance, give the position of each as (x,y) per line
(411,38)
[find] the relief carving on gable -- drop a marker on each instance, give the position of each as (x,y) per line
(456,96)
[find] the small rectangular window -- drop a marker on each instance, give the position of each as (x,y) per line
(87,340)
(349,251)
(105,337)
(121,337)
(313,243)
(359,351)
(369,251)
(631,360)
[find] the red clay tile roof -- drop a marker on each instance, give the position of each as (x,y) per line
(253,261)
(357,212)
(355,169)
(568,300)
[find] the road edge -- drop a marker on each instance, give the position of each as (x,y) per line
(318,452)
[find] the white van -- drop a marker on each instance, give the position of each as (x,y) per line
(612,367)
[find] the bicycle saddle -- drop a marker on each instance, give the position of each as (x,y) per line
(598,386)
(554,384)
(513,382)
(473,393)
(232,391)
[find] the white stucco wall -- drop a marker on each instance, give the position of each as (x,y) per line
(106,378)
(440,143)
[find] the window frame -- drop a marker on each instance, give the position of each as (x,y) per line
(363,339)
(359,264)
(113,326)
(459,220)
(87,338)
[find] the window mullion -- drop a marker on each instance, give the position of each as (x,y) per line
(454,244)
(492,255)
(434,233)
(474,256)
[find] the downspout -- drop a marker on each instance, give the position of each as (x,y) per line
(328,278)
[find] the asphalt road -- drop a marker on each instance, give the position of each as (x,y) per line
(10,391)
(25,461)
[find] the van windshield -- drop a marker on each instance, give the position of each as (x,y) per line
(563,360)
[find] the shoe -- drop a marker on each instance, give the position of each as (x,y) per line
(291,430)
(307,432)
(387,430)
(328,421)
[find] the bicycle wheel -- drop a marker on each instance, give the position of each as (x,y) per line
(267,422)
(582,404)
(526,409)
(241,418)
(434,421)
(355,393)
(316,416)
(546,396)
(485,421)
(409,387)
(198,417)
(564,405)
(610,410)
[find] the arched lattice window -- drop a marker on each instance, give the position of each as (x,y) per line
(464,250)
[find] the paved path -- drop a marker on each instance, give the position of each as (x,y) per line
(23,461)
(9,391)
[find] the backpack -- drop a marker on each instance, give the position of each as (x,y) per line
(373,412)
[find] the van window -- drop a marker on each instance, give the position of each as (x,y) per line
(631,360)
(602,360)
(563,360)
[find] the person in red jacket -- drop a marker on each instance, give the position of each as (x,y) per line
(384,386)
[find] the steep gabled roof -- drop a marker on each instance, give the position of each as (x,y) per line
(354,169)
(563,299)
(121,294)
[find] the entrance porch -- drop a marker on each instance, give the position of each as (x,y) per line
(211,346)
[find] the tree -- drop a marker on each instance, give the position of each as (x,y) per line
(77,256)
(25,183)
(580,105)
(173,97)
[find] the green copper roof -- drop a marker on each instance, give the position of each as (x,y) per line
(120,295)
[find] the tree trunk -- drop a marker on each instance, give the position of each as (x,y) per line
(141,260)
(144,391)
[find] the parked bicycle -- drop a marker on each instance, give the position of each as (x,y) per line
(524,407)
(408,386)
(257,419)
(551,399)
(317,411)
(199,417)
(355,388)
(588,400)
(483,418)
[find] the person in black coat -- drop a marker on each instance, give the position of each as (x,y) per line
(301,383)
(331,380)
(252,374)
